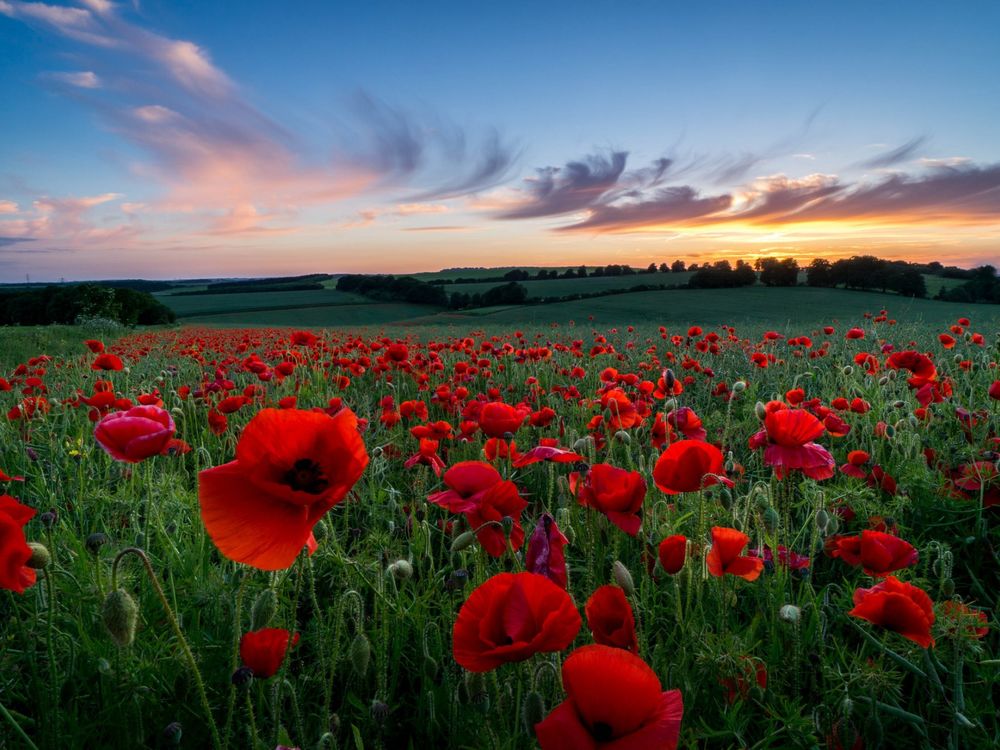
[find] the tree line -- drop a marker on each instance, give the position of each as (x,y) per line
(69,303)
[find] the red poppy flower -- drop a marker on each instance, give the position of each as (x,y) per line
(264,650)
(545,551)
(689,466)
(476,489)
(107,362)
(94,345)
(738,685)
(897,606)
(614,701)
(920,365)
(878,553)
(497,419)
(963,619)
(5,477)
(427,455)
(135,435)
(14,550)
(855,333)
(685,421)
(994,390)
(787,439)
(291,467)
(546,452)
(610,619)
(672,552)
(726,555)
(511,617)
(615,492)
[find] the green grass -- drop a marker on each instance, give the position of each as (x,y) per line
(213,304)
(589,285)
(330,316)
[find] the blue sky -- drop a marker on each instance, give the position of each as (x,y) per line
(168,139)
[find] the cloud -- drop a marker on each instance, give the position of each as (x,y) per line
(83,79)
(579,184)
(4,241)
(8,207)
(667,206)
(894,156)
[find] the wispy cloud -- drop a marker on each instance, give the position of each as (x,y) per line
(894,156)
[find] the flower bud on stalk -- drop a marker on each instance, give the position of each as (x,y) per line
(120,615)
(622,577)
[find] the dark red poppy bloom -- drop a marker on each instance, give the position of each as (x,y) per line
(135,435)
(264,650)
(291,467)
(994,390)
(689,466)
(511,617)
(427,455)
(726,555)
(5,477)
(685,421)
(878,553)
(476,489)
(672,553)
(545,551)
(964,620)
(610,619)
(920,365)
(748,671)
(614,701)
(897,606)
(615,492)
(15,575)
(546,452)
(107,362)
(497,419)
(94,345)
(787,439)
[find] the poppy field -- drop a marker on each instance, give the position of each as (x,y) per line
(561,537)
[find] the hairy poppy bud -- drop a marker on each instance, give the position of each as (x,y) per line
(582,444)
(947,587)
(120,614)
(376,451)
(622,577)
(669,379)
(790,613)
(463,541)
(623,436)
(401,570)
(172,733)
(771,520)
(40,556)
(883,381)
(891,375)
(890,431)
(379,710)
(49,518)
(760,410)
(739,386)
(822,520)
(360,654)
(532,710)
(265,607)
(898,404)
(848,369)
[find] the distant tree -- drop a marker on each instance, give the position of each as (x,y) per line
(569,273)
(581,272)
(677,266)
(745,275)
(651,268)
(693,267)
(819,273)
(774,272)
(664,268)
(517,274)
(507,294)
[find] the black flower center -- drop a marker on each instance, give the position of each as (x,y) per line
(602,732)
(306,476)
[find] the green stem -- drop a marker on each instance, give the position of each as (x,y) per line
(17,728)
(188,654)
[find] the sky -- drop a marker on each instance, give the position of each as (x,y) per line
(182,139)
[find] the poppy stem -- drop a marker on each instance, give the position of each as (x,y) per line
(235,661)
(185,647)
(900,660)
(17,728)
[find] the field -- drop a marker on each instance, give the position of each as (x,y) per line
(713,518)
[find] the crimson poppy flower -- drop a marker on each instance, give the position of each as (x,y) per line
(94,345)
(994,390)
(427,455)
(672,552)
(786,557)
(497,419)
(107,361)
(725,555)
(476,489)
(897,606)
(135,435)
(787,439)
(264,650)
(5,477)
(685,421)
(610,618)
(511,617)
(15,575)
(963,619)
(738,685)
(689,466)
(878,553)
(617,493)
(545,551)
(546,451)
(855,461)
(614,701)
(291,467)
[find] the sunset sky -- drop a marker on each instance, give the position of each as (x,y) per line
(168,139)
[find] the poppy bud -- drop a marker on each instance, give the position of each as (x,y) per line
(670,405)
(508,436)
(379,710)
(760,410)
(457,579)
(622,577)
(739,386)
(49,518)
(40,556)
(178,412)
(771,520)
(898,404)
(957,359)
(726,498)
(172,733)
(463,541)
(475,685)
(401,570)
(790,613)
(883,381)
(947,587)
(265,607)
(120,614)
(832,526)
(848,369)
(890,431)
(31,453)
(242,677)
(508,524)
(891,375)
(623,436)
(822,520)
(582,444)
(103,666)
(914,422)
(360,654)
(376,451)
(669,379)
(532,710)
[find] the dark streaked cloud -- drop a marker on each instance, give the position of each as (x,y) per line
(560,190)
(671,205)
(894,156)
